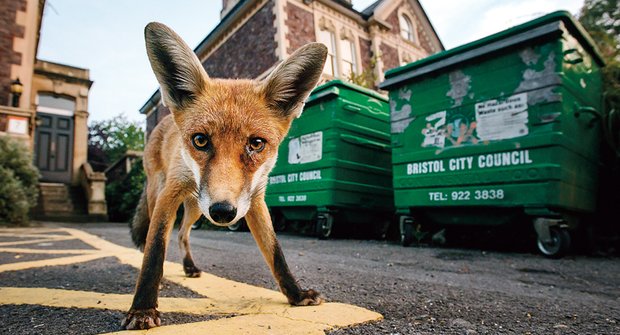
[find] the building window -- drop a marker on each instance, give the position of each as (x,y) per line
(349,58)
(406,28)
(54,104)
(329,39)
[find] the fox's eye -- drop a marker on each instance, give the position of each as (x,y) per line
(256,144)
(200,141)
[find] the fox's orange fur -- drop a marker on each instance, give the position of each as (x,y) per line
(213,155)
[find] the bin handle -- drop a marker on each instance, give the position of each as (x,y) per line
(596,115)
(578,59)
(351,108)
(356,109)
(364,142)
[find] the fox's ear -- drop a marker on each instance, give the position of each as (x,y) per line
(289,85)
(178,70)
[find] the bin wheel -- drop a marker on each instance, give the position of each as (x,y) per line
(325,226)
(406,235)
(197,225)
(558,245)
(239,225)
(235,227)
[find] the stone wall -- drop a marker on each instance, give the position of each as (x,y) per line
(392,19)
(365,53)
(389,56)
(300,23)
(249,52)
(153,118)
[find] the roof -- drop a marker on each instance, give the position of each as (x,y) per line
(370,10)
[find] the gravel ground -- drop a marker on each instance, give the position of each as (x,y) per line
(419,290)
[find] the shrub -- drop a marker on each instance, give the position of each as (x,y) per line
(109,140)
(19,181)
(123,194)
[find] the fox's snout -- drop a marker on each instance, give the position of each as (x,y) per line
(222,212)
(223,208)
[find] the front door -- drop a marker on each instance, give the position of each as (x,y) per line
(54,147)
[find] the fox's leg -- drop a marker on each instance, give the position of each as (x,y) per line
(153,189)
(143,313)
(259,222)
(191,213)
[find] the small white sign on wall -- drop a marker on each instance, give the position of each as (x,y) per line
(17,125)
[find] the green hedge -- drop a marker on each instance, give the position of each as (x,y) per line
(122,195)
(19,181)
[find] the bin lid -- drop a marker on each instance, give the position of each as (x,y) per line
(334,88)
(553,24)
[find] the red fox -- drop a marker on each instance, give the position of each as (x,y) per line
(213,154)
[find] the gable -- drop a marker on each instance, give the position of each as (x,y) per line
(388,11)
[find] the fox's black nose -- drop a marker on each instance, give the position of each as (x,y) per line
(222,212)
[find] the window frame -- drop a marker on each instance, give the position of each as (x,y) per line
(332,55)
(352,64)
(407,30)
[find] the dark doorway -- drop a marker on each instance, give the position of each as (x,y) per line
(53,153)
(54,147)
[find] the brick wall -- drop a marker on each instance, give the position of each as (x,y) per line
(389,56)
(300,25)
(8,30)
(250,51)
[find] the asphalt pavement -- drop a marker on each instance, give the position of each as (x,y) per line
(79,279)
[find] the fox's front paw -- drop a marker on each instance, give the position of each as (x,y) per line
(141,319)
(191,271)
(308,298)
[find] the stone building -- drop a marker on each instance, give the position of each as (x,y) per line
(253,36)
(45,105)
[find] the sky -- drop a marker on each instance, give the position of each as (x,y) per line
(106,37)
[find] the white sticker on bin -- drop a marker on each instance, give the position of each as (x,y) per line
(306,148)
(502,119)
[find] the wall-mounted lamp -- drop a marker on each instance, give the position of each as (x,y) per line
(17,88)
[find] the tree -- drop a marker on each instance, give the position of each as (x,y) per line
(109,140)
(601,18)
(123,195)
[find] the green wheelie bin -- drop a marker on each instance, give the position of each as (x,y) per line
(334,166)
(503,127)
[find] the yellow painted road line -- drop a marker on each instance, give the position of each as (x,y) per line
(50,251)
(331,314)
(51,262)
(259,310)
(41,240)
(22,235)
(31,230)
(262,324)
(84,299)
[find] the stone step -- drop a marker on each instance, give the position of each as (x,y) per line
(60,200)
(61,207)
